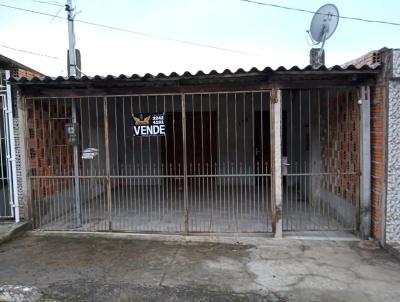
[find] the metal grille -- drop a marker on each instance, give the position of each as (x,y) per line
(6,210)
(321,159)
(228,150)
(209,173)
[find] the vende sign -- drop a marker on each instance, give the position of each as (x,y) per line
(148,124)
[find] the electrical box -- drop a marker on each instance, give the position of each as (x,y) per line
(72,133)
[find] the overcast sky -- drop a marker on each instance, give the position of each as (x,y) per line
(272,36)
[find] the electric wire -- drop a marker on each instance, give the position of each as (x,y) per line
(154,36)
(55,16)
(54,3)
(30,52)
(314,12)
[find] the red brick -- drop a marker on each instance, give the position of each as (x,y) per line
(377,169)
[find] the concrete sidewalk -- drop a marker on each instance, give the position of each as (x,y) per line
(85,268)
(10,230)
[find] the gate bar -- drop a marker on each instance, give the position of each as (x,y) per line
(364,207)
(276,154)
(185,177)
(107,154)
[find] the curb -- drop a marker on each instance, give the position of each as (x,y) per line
(15,231)
(214,238)
(392,249)
(210,238)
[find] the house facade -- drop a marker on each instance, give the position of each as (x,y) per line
(258,151)
(10,176)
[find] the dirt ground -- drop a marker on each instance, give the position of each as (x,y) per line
(87,268)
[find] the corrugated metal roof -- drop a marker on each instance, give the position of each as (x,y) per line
(200,74)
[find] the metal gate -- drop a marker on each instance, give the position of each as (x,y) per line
(321,159)
(8,189)
(211,171)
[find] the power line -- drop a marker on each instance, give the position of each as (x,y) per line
(133,31)
(313,12)
(30,52)
(54,3)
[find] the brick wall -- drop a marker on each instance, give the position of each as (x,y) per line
(24,73)
(340,145)
(18,72)
(48,151)
(18,160)
(378,134)
(377,155)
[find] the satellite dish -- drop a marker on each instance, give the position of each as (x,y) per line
(323,25)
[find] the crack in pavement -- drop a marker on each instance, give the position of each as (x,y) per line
(169,265)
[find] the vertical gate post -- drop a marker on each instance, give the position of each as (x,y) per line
(10,142)
(107,154)
(76,170)
(365,163)
(185,181)
(276,160)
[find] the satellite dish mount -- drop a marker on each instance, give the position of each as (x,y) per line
(323,25)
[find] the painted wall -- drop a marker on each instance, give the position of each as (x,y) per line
(393,153)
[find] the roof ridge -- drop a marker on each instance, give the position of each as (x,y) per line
(200,73)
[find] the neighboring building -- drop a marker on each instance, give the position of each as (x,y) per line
(17,69)
(267,151)
(10,151)
(385,127)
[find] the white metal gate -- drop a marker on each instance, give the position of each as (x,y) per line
(8,189)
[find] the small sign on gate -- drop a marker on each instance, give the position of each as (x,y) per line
(148,124)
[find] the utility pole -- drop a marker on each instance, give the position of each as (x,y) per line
(71,39)
(72,72)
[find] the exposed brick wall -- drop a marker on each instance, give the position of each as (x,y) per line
(47,149)
(377,155)
(378,135)
(22,207)
(24,73)
(373,57)
(340,145)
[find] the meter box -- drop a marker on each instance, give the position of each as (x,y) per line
(72,133)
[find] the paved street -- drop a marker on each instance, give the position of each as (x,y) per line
(88,268)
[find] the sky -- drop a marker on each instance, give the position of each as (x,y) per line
(268,36)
